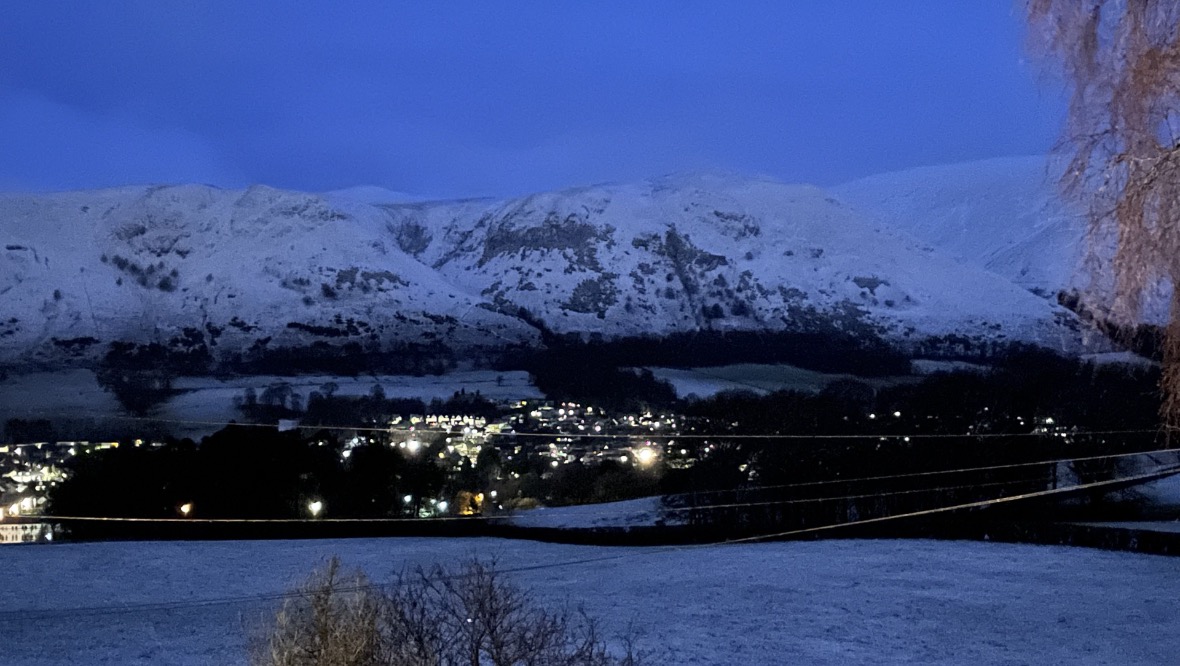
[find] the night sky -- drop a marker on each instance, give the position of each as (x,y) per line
(503,98)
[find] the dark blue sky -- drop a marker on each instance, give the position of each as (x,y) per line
(500,98)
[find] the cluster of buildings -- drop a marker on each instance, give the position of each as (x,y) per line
(529,433)
(27,472)
(559,433)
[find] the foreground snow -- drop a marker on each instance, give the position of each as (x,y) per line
(828,602)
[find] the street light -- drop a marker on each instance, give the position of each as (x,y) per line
(315,507)
(645,456)
(186,509)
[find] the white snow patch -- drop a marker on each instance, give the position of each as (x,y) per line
(75,394)
(1119,358)
(645,511)
(1144,525)
(759,378)
(930,366)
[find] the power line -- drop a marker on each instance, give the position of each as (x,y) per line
(890,493)
(961,470)
(44,614)
(575,509)
(569,510)
(615,436)
(1157,474)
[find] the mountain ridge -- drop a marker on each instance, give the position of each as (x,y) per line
(684,252)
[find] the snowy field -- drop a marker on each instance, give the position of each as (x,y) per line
(827,602)
(75,394)
(767,378)
(645,511)
(759,378)
(1162,494)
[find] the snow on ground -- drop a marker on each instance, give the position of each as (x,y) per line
(1145,525)
(75,394)
(825,602)
(1119,358)
(929,366)
(1161,494)
(759,378)
(628,513)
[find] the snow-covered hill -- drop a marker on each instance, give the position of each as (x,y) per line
(243,268)
(1004,215)
(259,266)
(712,251)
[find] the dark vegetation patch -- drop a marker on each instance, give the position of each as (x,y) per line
(572,235)
(594,295)
(155,275)
(79,344)
(1147,340)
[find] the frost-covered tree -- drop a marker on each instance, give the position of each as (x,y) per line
(1121,62)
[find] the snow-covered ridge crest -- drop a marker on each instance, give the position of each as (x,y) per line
(1005,215)
(263,266)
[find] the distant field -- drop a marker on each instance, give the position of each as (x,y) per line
(74,396)
(705,382)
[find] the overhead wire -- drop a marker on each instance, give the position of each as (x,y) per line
(575,509)
(35,614)
(877,436)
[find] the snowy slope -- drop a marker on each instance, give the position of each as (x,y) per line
(1004,215)
(237,266)
(371,194)
(261,266)
(708,250)
(823,602)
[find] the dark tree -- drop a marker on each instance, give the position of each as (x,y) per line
(139,376)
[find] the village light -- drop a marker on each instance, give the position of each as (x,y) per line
(186,509)
(645,456)
(315,507)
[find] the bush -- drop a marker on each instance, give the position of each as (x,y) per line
(332,621)
(427,617)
